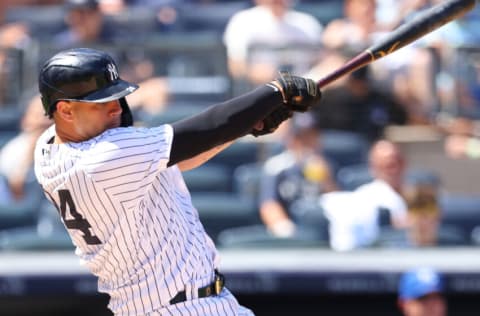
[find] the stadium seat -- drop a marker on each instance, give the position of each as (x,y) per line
(344,148)
(209,16)
(43,20)
(239,153)
(33,239)
(351,177)
(325,11)
(10,119)
(257,236)
(46,233)
(246,180)
(462,212)
(209,177)
(448,236)
(23,212)
(219,211)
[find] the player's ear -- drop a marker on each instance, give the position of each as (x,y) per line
(64,110)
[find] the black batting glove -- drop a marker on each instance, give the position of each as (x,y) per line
(298,93)
(272,121)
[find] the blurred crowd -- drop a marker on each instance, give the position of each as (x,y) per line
(333,176)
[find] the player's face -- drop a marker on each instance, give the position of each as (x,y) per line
(91,119)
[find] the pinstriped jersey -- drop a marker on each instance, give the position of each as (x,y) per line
(131,220)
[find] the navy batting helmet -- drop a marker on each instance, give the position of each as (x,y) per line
(83,74)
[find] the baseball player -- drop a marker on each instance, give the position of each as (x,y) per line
(119,188)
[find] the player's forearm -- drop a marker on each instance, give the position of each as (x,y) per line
(276,219)
(202,158)
(222,123)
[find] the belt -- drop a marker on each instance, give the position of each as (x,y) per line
(213,288)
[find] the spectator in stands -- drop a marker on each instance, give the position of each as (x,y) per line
(409,73)
(87,28)
(86,25)
(463,137)
(357,105)
(13,36)
(298,173)
(424,216)
(462,146)
(355,29)
(354,216)
(16,157)
(275,25)
(421,293)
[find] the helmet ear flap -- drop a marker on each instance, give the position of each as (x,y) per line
(46,106)
(127,117)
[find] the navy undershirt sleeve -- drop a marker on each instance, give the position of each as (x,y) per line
(221,123)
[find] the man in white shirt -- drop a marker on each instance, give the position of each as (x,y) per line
(354,216)
(271,23)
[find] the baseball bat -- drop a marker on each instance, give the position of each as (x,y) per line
(405,34)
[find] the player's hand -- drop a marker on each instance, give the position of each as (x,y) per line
(298,93)
(271,122)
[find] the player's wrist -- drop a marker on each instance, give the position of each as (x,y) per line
(275,84)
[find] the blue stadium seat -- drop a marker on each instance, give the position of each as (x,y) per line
(43,20)
(209,16)
(344,148)
(246,180)
(47,233)
(23,212)
(239,153)
(461,211)
(257,236)
(31,239)
(219,211)
(324,11)
(351,177)
(209,177)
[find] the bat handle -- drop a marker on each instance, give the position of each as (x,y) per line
(355,63)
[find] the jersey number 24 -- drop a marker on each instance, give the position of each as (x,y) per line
(78,222)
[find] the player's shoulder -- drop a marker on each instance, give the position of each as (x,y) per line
(124,140)
(126,136)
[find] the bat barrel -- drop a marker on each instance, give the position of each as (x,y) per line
(424,23)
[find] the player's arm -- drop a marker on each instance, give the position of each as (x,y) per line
(225,122)
(202,158)
(276,219)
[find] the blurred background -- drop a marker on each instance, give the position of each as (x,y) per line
(321,217)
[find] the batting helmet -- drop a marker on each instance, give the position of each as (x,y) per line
(83,74)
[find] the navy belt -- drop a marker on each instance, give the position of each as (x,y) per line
(213,288)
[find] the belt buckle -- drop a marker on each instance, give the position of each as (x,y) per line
(218,283)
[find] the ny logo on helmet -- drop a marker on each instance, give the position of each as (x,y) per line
(112,72)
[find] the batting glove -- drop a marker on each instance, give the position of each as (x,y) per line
(272,121)
(298,93)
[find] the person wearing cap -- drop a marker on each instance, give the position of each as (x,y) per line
(421,293)
(299,172)
(119,188)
